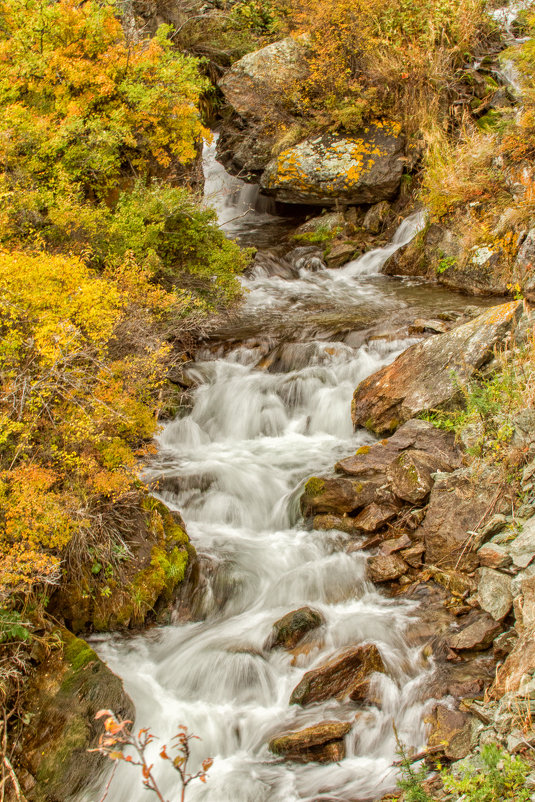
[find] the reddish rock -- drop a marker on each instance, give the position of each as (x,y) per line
(386,567)
(451,730)
(374,517)
(330,521)
(414,555)
(491,555)
(338,676)
(456,507)
(521,661)
(321,743)
(427,375)
(364,691)
(478,635)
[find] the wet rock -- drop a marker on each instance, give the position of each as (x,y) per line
(427,375)
(291,628)
(451,730)
(386,568)
(64,695)
(340,253)
(321,743)
(522,548)
(478,635)
(336,495)
(306,257)
(337,677)
(374,517)
(327,170)
(366,691)
(491,555)
(326,522)
(376,216)
(410,477)
(494,593)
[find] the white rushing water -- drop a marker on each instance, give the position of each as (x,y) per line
(235,466)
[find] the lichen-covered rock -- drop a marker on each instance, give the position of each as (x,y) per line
(326,170)
(337,496)
(67,690)
(427,375)
(321,743)
(410,475)
(519,663)
(337,677)
(254,86)
(522,548)
(292,628)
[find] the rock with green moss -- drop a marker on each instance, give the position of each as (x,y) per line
(69,686)
(289,630)
(126,593)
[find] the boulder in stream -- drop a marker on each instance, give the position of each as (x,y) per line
(339,675)
(427,375)
(321,743)
(289,630)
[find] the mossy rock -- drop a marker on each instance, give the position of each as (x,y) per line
(141,588)
(69,686)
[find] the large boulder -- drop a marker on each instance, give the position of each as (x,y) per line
(255,85)
(321,743)
(338,677)
(326,170)
(427,375)
(255,88)
(66,691)
(456,507)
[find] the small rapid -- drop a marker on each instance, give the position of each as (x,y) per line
(234,465)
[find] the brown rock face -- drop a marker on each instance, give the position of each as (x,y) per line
(521,661)
(456,507)
(292,628)
(386,567)
(426,375)
(451,730)
(477,635)
(338,676)
(336,495)
(410,475)
(374,517)
(321,743)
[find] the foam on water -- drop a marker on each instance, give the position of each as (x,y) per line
(235,467)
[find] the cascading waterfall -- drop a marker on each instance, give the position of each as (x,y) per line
(235,466)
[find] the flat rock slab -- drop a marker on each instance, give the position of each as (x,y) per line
(491,555)
(426,375)
(478,635)
(292,628)
(337,677)
(321,743)
(374,517)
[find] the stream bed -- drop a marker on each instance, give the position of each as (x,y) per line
(234,465)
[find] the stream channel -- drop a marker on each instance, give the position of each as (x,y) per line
(234,465)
